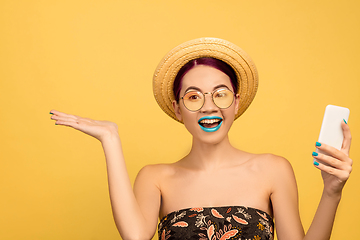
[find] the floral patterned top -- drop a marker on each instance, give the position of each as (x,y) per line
(217,223)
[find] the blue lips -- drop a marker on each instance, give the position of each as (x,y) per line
(210,129)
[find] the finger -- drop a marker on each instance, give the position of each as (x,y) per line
(347,138)
(331,161)
(64,119)
(342,175)
(57,113)
(327,160)
(336,153)
(67,123)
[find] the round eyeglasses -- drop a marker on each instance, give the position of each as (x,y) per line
(194,100)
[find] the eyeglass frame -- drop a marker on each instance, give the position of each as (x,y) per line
(212,98)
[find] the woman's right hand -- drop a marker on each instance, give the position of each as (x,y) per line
(132,220)
(97,129)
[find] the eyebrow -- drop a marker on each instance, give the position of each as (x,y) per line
(198,89)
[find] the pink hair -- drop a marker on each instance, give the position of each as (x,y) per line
(212,62)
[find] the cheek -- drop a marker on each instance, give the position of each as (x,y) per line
(229,114)
(189,118)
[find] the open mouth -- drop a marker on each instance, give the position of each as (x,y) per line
(210,124)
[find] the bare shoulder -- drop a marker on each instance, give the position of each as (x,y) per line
(279,170)
(155,172)
(158,169)
(272,166)
(272,162)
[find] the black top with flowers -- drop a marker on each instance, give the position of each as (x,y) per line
(217,223)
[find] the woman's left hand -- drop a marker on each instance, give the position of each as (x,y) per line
(338,165)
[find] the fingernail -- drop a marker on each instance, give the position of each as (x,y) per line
(345,121)
(51,113)
(55,123)
(316,163)
(315,154)
(318,144)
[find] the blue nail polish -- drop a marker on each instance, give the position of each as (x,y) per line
(318,144)
(51,113)
(315,154)
(345,121)
(316,163)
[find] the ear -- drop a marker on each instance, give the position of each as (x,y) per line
(237,99)
(177,110)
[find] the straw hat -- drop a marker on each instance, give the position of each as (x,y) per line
(223,50)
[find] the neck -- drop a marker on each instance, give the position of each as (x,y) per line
(209,156)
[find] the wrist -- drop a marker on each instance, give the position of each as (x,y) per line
(111,135)
(333,196)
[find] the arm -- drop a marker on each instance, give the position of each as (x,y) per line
(334,174)
(284,199)
(130,218)
(284,195)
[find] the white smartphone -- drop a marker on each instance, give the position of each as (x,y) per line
(331,132)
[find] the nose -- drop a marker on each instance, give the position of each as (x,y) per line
(209,105)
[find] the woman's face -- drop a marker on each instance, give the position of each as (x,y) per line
(210,123)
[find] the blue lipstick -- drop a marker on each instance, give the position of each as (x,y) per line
(213,129)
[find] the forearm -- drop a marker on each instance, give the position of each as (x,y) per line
(127,214)
(323,221)
(335,166)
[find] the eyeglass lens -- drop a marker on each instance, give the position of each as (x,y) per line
(194,100)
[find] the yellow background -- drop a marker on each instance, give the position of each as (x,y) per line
(96,59)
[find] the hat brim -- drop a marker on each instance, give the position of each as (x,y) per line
(235,57)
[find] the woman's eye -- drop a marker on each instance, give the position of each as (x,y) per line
(193,97)
(221,95)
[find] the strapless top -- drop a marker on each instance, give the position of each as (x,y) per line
(217,223)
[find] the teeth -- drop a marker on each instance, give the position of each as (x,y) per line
(210,121)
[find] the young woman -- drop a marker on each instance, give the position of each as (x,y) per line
(216,191)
